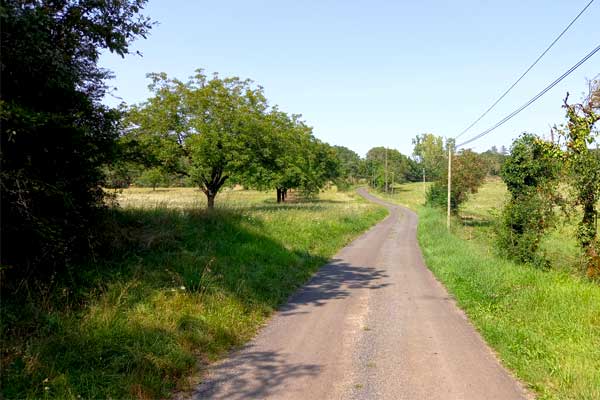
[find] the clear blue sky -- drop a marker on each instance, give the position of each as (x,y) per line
(376,73)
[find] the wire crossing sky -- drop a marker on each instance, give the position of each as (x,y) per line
(533,100)
(526,71)
(376,73)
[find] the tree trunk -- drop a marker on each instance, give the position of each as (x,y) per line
(210,198)
(211,186)
(279,195)
(284,194)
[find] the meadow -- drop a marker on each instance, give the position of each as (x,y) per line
(544,324)
(178,288)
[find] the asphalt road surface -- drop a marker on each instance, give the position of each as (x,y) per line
(372,324)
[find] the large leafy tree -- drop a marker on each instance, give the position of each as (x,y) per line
(207,129)
(321,165)
(224,118)
(56,135)
(278,152)
(287,156)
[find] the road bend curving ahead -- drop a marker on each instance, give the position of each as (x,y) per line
(372,324)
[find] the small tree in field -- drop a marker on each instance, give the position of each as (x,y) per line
(153,178)
(468,174)
(531,177)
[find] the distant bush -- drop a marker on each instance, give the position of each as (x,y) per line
(153,177)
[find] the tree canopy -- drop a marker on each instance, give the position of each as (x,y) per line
(430,154)
(216,130)
(56,134)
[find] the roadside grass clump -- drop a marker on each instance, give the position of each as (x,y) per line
(178,288)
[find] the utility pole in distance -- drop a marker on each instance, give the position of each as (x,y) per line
(449,184)
(386,172)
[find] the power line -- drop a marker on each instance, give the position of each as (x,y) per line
(526,71)
(537,96)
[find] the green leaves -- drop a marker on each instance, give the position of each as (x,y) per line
(59,136)
(217,130)
(429,151)
(531,175)
(468,174)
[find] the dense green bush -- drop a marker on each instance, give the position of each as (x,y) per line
(530,175)
(522,224)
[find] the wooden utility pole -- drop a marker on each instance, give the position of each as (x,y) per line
(449,185)
(373,177)
(386,172)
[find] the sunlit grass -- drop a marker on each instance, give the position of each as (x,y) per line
(181,287)
(188,198)
(411,195)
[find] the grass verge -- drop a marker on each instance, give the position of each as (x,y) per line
(545,325)
(181,286)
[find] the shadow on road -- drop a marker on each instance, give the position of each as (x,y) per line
(333,281)
(268,370)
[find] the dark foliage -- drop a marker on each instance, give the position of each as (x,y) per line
(55,133)
(530,175)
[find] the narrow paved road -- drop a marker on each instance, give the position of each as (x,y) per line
(372,324)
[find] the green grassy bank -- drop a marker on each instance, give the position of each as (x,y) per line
(544,324)
(181,287)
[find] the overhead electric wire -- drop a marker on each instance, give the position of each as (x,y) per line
(537,96)
(524,73)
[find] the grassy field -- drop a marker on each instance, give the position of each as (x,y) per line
(544,324)
(182,287)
